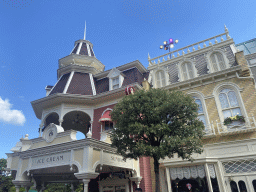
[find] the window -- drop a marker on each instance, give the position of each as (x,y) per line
(107,125)
(229,103)
(115,82)
(200,111)
(217,62)
(160,79)
(187,71)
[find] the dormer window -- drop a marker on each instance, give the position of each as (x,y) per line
(187,70)
(116,79)
(217,62)
(115,83)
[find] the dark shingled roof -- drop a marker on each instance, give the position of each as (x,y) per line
(59,87)
(80,84)
(101,85)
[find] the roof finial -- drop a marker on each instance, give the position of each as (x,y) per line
(84,30)
(226,29)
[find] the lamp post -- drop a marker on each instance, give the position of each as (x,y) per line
(167,46)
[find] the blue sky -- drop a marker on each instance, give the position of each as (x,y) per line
(34,34)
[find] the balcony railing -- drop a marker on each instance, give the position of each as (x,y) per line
(237,126)
(191,48)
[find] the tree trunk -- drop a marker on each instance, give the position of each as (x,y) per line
(156,169)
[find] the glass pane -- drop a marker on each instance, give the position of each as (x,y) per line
(190,71)
(214,64)
(163,79)
(223,100)
(232,99)
(157,75)
(254,185)
(225,90)
(227,113)
(202,118)
(184,70)
(242,186)
(233,186)
(221,61)
(200,107)
(236,111)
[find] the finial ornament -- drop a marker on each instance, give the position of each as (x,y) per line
(84,30)
(226,29)
(148,56)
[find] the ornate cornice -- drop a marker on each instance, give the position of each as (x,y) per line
(64,147)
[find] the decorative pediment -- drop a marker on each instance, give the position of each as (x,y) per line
(114,73)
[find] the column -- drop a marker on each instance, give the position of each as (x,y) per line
(86,184)
(60,121)
(208,177)
(220,177)
(168,179)
(17,187)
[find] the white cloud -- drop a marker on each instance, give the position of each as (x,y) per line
(11,116)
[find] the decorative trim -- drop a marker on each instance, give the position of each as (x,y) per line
(79,48)
(88,49)
(68,82)
(92,84)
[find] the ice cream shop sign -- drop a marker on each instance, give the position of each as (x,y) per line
(50,160)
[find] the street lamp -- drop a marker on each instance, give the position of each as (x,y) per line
(167,46)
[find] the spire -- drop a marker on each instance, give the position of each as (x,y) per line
(84,30)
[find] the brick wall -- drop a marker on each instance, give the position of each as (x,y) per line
(145,173)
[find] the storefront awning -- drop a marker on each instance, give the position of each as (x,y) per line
(106,117)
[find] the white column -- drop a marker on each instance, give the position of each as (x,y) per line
(169,185)
(40,131)
(17,187)
(221,177)
(208,177)
(60,121)
(138,184)
(86,184)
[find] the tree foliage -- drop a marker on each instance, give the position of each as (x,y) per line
(157,123)
(5,179)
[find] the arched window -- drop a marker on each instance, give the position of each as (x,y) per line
(106,121)
(187,71)
(217,62)
(229,103)
(201,113)
(160,79)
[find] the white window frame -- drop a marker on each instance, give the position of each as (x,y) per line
(237,91)
(161,78)
(180,74)
(200,96)
(209,63)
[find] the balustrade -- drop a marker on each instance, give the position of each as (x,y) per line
(190,48)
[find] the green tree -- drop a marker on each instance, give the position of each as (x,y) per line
(5,179)
(157,123)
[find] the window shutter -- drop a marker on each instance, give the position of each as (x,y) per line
(184,70)
(214,63)
(190,70)
(221,61)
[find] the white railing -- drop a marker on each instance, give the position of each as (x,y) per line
(237,126)
(209,130)
(191,48)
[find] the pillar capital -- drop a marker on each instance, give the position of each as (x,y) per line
(86,175)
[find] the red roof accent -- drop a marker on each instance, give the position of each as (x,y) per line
(106,116)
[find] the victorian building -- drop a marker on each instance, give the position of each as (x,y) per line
(214,71)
